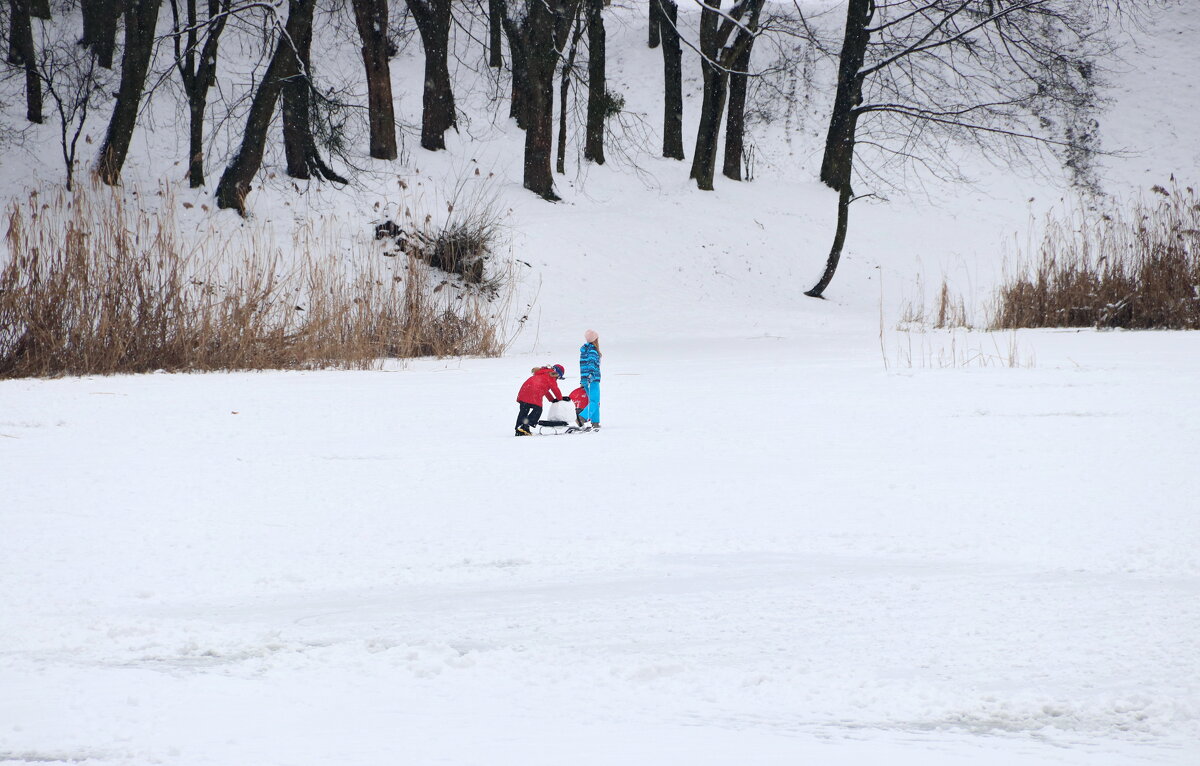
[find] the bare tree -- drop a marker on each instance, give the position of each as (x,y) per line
(655,26)
(100,19)
(18,16)
(495,33)
(514,30)
(564,87)
(74,82)
(234,185)
(599,100)
(437,102)
(196,41)
(298,105)
(672,80)
(735,118)
(141,20)
(22,52)
(717,57)
(371,17)
(916,74)
(536,33)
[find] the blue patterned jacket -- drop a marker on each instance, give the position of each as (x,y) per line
(589,362)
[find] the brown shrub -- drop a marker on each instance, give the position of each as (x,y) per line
(1136,270)
(461,245)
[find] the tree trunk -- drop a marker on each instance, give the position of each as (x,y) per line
(18,21)
(206,77)
(100,28)
(33,83)
(495,29)
(518,46)
(564,88)
(21,52)
(437,110)
(141,19)
(655,19)
(39,9)
(598,100)
(295,99)
(91,24)
(672,81)
(735,121)
(534,42)
(838,161)
(704,160)
(541,59)
(716,60)
(518,110)
(235,181)
(197,103)
(299,146)
(712,106)
(371,16)
(198,77)
(839,239)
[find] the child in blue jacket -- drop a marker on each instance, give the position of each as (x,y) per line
(589,378)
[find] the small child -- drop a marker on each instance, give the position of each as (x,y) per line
(579,398)
(541,385)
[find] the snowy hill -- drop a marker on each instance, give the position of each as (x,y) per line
(800,536)
(750,244)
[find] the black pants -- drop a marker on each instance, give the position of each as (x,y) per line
(528,415)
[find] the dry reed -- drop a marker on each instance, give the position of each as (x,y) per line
(949,311)
(90,286)
(1138,269)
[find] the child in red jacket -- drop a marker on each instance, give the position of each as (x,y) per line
(541,385)
(579,398)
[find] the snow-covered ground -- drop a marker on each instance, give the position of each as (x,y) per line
(801,536)
(774,552)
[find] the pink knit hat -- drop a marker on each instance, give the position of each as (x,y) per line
(590,336)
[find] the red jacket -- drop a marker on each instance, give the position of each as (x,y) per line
(539,386)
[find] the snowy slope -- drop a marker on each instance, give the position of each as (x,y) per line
(801,536)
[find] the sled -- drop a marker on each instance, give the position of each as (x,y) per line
(560,419)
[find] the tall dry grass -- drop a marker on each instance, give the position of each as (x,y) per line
(949,310)
(955,348)
(1137,269)
(89,285)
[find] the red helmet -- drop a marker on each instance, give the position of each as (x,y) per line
(559,371)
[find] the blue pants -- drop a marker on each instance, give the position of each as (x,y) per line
(592,411)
